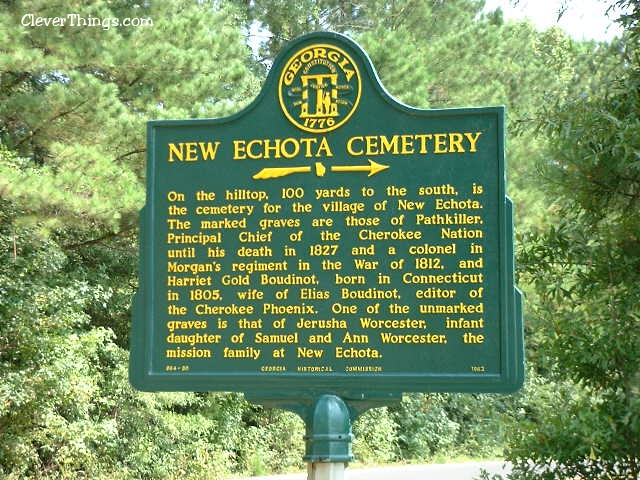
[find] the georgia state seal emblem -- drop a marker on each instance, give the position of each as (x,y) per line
(319,88)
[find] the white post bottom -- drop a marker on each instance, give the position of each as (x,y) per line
(326,471)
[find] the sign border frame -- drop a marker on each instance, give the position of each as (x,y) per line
(357,385)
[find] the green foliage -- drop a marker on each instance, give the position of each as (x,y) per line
(66,409)
(424,427)
(579,440)
(376,437)
(52,364)
(73,106)
(448,425)
(585,269)
(271,441)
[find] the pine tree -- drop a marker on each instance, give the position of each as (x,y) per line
(585,266)
(74,100)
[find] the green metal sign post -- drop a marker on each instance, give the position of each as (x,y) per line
(327,249)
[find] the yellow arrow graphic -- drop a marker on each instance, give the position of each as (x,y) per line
(372,168)
(277,172)
(320,169)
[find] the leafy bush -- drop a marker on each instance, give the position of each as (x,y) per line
(424,427)
(376,437)
(271,442)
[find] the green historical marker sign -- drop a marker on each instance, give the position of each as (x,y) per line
(328,239)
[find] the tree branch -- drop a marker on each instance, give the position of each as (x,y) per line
(94,241)
(132,152)
(52,119)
